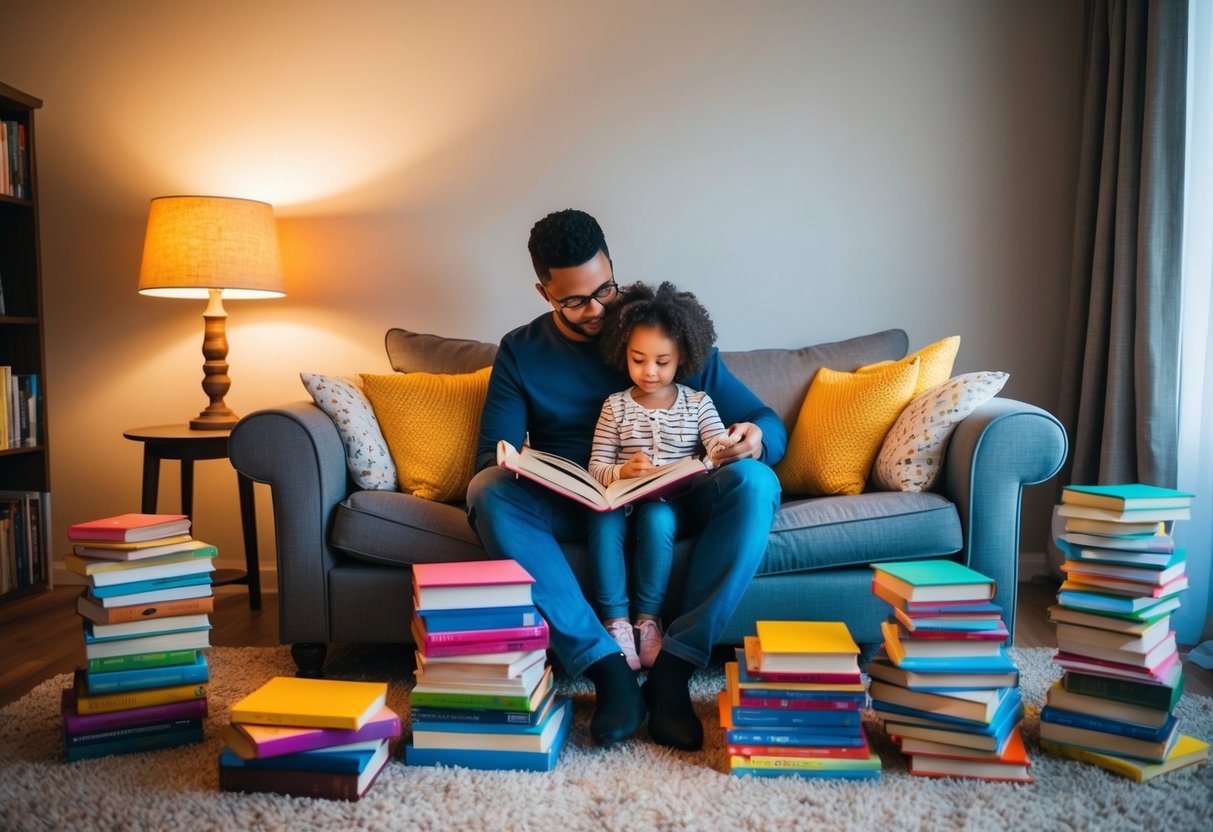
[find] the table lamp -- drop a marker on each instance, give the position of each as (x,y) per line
(211,247)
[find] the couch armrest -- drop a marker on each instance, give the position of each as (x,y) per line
(1001,447)
(297,451)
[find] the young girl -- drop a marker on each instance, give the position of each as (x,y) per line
(658,337)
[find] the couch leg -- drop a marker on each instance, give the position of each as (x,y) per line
(309,658)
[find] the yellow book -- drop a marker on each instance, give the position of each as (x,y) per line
(821,646)
(1187,751)
(311,703)
(187,553)
(125,700)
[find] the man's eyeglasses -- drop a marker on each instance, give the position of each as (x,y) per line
(602,294)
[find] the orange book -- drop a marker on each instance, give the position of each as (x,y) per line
(932,759)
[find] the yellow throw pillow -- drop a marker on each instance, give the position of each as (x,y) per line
(934,363)
(431,423)
(841,426)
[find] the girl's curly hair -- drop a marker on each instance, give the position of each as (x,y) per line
(679,314)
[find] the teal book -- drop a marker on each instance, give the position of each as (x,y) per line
(484,618)
(351,759)
(934,580)
(489,760)
(149,677)
(133,587)
(1129,496)
(1099,602)
(135,744)
(808,774)
(1009,712)
(1000,663)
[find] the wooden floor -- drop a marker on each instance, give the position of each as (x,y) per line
(40,634)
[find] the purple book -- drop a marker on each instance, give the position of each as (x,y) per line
(252,742)
(74,723)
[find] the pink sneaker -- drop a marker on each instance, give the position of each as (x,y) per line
(621,631)
(650,641)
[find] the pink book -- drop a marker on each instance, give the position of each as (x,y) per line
(427,640)
(536,643)
(1103,667)
(74,723)
(471,585)
(130,528)
(250,741)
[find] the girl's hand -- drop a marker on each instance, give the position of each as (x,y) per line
(638,465)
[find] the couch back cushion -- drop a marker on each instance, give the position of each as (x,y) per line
(414,352)
(780,377)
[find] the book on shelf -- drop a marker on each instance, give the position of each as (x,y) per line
(492,759)
(148,626)
(1012,764)
(149,677)
(74,722)
(502,737)
(189,553)
(506,665)
(1075,636)
(137,550)
(1125,496)
(934,580)
(311,703)
(1160,695)
(810,647)
(129,528)
(439,645)
(96,612)
(470,584)
(448,698)
(1065,700)
(977,705)
(235,775)
(161,658)
(1113,528)
(1187,751)
(1160,515)
(188,640)
(1155,751)
(573,481)
(1142,575)
(252,741)
(137,742)
(89,703)
(201,589)
(484,618)
(483,716)
(351,758)
(883,668)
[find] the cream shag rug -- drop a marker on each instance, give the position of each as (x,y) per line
(635,786)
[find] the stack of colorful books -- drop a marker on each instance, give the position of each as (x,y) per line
(793,703)
(146,615)
(943,683)
(484,696)
(308,738)
(1114,705)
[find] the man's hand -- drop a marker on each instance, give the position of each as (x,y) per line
(747,444)
(638,465)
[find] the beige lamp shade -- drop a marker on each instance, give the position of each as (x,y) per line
(196,244)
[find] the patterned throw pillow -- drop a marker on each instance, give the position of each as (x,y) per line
(431,422)
(934,363)
(842,422)
(912,454)
(366,452)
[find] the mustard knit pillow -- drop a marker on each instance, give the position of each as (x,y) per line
(934,363)
(841,425)
(431,423)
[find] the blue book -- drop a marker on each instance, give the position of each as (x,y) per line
(1108,726)
(536,728)
(347,760)
(1010,711)
(142,742)
(1119,557)
(487,618)
(837,774)
(967,664)
(481,716)
(814,735)
(115,681)
(1097,601)
(148,586)
(744,717)
(488,760)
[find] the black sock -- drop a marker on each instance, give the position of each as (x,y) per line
(672,719)
(619,708)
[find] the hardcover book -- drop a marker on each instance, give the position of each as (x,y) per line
(934,580)
(1159,695)
(1187,751)
(1125,496)
(1100,708)
(806,647)
(485,618)
(94,611)
(236,776)
(128,528)
(154,596)
(160,571)
(492,701)
(483,716)
(1010,765)
(506,665)
(974,705)
(480,759)
(742,716)
(74,722)
(137,550)
(427,640)
(311,703)
(148,626)
(471,584)
(251,741)
(188,640)
(901,645)
(749,658)
(573,481)
(1155,751)
(149,677)
(881,667)
(89,703)
(1070,510)
(502,737)
(351,758)
(162,658)
(138,743)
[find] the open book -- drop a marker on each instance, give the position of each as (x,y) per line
(568,478)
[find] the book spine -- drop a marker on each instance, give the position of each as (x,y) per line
(471,716)
(152,677)
(130,732)
(171,739)
(756,701)
(137,698)
(1107,726)
(744,717)
(850,752)
(483,637)
(442,621)
(76,723)
(296,783)
(739,736)
(537,643)
(250,748)
(162,658)
(142,612)
(468,700)
(1158,697)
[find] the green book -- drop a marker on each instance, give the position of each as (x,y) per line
(934,580)
(489,701)
(1160,697)
(138,660)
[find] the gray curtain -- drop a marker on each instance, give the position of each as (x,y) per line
(1120,377)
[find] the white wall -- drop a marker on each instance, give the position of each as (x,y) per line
(812,169)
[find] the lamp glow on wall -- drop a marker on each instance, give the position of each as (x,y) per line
(210,247)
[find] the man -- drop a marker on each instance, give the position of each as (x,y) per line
(549,382)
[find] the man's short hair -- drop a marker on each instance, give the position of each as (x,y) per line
(564,239)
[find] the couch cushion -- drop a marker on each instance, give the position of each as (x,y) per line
(934,363)
(400,529)
(366,451)
(856,530)
(414,352)
(780,377)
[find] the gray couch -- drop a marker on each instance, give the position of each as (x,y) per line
(344,553)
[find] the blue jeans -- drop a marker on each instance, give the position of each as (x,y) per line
(731,511)
(652,555)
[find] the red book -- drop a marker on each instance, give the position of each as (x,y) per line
(130,528)
(858,752)
(1102,667)
(471,585)
(999,634)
